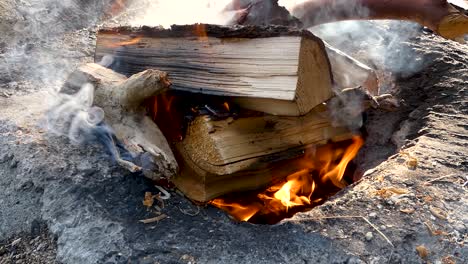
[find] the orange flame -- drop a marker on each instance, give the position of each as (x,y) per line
(200,32)
(132,41)
(226,106)
(300,186)
(242,213)
(336,174)
(290,193)
(163,111)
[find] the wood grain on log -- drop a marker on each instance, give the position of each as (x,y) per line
(219,157)
(347,71)
(271,69)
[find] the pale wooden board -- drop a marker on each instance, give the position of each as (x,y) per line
(261,68)
(216,145)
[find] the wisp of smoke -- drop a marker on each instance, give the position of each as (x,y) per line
(168,12)
(74,115)
(38,50)
(382,45)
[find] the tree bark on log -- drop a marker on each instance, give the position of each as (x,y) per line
(121,99)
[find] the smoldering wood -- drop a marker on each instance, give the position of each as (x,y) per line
(277,70)
(223,156)
(217,157)
(121,100)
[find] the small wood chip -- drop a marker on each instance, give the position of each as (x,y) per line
(412,163)
(154,219)
(438,213)
(398,190)
(422,251)
(435,232)
(407,210)
(149,200)
(388,192)
(448,260)
(428,199)
(16,242)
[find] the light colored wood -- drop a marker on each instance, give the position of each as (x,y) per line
(121,100)
(219,157)
(288,75)
(349,72)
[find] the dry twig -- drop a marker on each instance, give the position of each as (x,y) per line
(439,179)
(154,219)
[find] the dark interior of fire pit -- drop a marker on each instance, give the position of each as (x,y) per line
(173,111)
(266,211)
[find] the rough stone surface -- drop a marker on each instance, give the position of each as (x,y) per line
(93,207)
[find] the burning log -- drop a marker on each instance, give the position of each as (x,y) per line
(273,69)
(222,151)
(223,156)
(121,99)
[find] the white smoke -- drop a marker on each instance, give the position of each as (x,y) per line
(168,12)
(45,41)
(74,115)
(38,48)
(181,12)
(382,45)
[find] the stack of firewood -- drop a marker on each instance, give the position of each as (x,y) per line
(281,76)
(273,83)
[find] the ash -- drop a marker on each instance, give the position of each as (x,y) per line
(91,208)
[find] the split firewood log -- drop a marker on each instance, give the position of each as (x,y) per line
(121,100)
(347,71)
(273,69)
(217,157)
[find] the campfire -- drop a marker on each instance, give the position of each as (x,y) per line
(317,171)
(243,134)
(324,173)
(262,121)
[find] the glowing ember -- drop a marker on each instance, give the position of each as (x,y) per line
(321,176)
(161,108)
(226,105)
